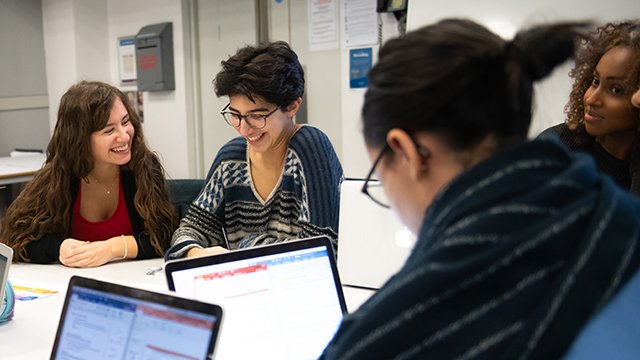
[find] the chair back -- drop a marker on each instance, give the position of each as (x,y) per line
(183,192)
(614,333)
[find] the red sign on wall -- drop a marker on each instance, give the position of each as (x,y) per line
(148,61)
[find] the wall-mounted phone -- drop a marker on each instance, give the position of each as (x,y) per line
(399,10)
(391,5)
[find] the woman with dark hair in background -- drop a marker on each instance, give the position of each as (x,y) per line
(519,242)
(278,180)
(101,194)
(600,119)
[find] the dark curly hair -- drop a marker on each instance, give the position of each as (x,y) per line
(625,33)
(44,206)
(270,71)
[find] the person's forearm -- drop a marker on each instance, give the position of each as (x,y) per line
(45,250)
(123,247)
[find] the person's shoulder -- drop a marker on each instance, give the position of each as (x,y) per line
(310,130)
(554,130)
(309,134)
(234,149)
(575,139)
(128,179)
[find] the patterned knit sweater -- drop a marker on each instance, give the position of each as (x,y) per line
(304,203)
(512,259)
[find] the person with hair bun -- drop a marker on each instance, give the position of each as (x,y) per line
(276,181)
(100,195)
(519,243)
(600,119)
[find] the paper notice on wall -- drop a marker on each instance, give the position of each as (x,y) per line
(127,60)
(359,66)
(323,25)
(361,23)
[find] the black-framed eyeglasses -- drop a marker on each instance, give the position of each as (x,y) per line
(372,187)
(256,121)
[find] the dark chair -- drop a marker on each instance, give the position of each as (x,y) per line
(183,192)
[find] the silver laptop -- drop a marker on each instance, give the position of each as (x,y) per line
(372,242)
(281,301)
(6,254)
(101,320)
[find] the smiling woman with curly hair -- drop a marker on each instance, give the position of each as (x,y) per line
(600,118)
(101,194)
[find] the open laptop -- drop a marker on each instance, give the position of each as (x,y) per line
(6,254)
(101,320)
(6,305)
(281,301)
(372,242)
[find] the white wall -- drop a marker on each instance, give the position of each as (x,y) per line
(24,114)
(60,50)
(505,17)
(223,27)
(355,160)
(91,40)
(75,43)
(322,76)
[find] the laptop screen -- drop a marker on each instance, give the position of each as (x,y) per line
(281,301)
(108,321)
(6,254)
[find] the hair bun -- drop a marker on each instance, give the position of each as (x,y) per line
(547,46)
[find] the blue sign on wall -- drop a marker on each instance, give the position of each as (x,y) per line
(359,65)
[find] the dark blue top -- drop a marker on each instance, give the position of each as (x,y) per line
(512,259)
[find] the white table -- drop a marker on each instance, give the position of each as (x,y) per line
(31,333)
(16,169)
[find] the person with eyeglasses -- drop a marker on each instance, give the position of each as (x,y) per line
(275,182)
(519,243)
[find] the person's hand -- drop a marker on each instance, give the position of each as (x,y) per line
(199,252)
(84,254)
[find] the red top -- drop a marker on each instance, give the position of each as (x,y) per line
(116,225)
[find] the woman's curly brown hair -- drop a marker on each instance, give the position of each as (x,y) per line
(625,33)
(45,204)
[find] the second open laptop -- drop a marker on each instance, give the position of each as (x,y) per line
(102,320)
(6,255)
(372,242)
(281,301)
(6,293)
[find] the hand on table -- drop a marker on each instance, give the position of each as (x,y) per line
(84,254)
